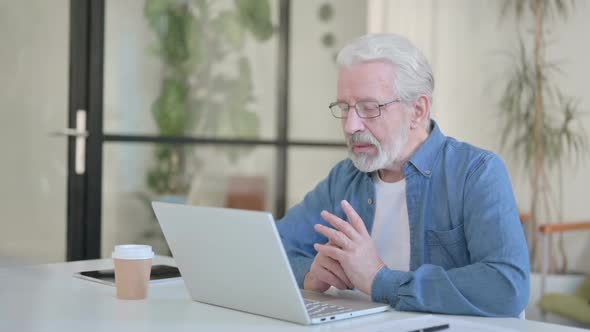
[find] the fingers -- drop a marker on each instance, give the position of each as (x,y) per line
(311,282)
(330,278)
(353,230)
(343,238)
(335,237)
(355,220)
(326,272)
(334,267)
(340,225)
(331,251)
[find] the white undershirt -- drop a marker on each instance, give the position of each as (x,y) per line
(391,228)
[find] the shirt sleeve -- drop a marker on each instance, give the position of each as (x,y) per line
(496,282)
(296,228)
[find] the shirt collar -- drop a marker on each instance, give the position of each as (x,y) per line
(425,157)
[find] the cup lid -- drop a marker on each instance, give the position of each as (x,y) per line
(133,251)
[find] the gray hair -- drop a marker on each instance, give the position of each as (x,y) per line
(413,74)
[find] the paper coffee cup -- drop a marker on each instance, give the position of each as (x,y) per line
(133,264)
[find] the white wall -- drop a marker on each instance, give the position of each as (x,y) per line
(313,68)
(312,85)
(33,103)
(460,38)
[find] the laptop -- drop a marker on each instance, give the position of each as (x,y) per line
(235,259)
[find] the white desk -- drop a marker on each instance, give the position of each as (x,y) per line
(48,298)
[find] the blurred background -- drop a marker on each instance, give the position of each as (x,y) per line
(108,105)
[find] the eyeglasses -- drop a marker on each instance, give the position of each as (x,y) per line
(364,109)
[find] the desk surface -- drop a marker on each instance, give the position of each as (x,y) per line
(48,298)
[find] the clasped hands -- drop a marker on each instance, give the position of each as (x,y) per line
(349,258)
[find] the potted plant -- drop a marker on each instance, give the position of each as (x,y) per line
(541,124)
(206,87)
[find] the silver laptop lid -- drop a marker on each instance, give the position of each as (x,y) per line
(232,258)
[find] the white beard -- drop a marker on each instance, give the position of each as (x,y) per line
(367,163)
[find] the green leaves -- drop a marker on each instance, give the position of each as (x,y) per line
(229,28)
(244,121)
(166,177)
(230,113)
(170,109)
(255,16)
(155,12)
(175,37)
(206,79)
(195,40)
(172,22)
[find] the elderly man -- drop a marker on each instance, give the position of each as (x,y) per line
(413,218)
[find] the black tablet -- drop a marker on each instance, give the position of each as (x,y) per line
(159,273)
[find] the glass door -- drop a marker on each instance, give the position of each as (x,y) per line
(190,97)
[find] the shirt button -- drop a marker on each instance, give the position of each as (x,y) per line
(427,172)
(370,201)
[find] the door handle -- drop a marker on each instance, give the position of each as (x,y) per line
(80,133)
(70,133)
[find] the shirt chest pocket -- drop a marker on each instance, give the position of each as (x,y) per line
(447,249)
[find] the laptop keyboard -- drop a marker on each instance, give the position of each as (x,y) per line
(320,309)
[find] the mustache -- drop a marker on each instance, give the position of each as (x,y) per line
(362,138)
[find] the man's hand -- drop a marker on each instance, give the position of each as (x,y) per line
(351,246)
(325,272)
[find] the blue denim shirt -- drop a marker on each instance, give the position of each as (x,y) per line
(468,253)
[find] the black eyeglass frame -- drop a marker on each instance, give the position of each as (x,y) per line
(379,107)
